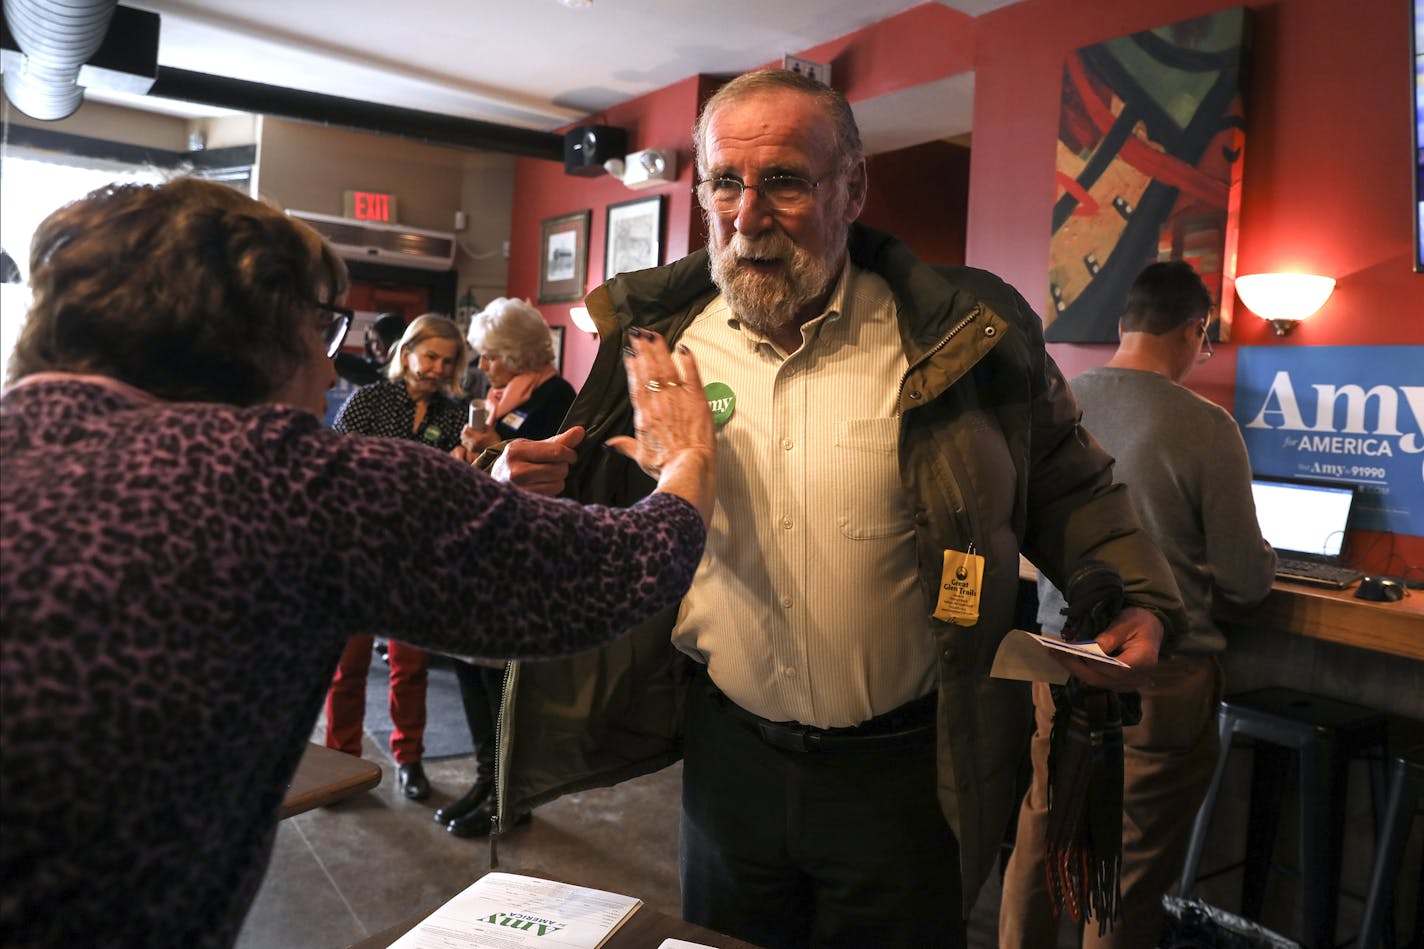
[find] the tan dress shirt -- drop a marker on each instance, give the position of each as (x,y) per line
(805,606)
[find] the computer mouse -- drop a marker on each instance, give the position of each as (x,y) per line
(1380,589)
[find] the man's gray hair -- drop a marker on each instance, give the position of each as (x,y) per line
(837,109)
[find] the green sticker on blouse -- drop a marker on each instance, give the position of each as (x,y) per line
(721,400)
(431,433)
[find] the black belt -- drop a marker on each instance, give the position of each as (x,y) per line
(903,727)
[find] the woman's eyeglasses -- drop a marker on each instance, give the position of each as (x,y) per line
(334,328)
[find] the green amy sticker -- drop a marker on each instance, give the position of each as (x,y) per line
(721,400)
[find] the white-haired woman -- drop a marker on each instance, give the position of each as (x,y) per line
(527,399)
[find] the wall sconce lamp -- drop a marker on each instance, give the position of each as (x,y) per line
(644,169)
(579,314)
(1284,299)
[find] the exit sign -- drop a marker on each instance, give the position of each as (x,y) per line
(371,206)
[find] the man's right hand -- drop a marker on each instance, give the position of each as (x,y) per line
(539,466)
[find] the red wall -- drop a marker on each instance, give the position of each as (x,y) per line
(1327,185)
(922,44)
(1326,173)
(661,119)
(921,195)
(1325,188)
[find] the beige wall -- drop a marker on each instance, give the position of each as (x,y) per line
(309,167)
(116,124)
(487,195)
(229,130)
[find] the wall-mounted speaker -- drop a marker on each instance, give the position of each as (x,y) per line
(587,147)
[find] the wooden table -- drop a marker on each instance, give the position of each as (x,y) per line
(326,776)
(1334,615)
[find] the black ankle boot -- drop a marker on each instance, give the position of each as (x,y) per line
(412,781)
(473,798)
(478,822)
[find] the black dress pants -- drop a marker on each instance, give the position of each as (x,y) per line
(813,848)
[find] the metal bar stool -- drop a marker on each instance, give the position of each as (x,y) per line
(1406,786)
(1321,736)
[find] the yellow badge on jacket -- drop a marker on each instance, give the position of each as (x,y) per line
(959,587)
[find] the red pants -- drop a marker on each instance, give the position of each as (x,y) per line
(346,702)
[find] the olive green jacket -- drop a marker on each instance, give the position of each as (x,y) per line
(990,453)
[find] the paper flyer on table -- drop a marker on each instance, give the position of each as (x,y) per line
(509,911)
(682,944)
(1028,656)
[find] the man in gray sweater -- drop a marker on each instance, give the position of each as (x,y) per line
(1185,463)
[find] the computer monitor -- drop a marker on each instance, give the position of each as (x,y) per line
(1304,518)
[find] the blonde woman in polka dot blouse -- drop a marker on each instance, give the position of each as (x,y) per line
(421,401)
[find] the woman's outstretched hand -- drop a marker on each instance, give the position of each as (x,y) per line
(674,440)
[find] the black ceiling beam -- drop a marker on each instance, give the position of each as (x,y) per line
(429,127)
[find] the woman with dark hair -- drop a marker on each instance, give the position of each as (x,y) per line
(418,400)
(380,340)
(184,550)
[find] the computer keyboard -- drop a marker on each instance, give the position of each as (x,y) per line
(1317,574)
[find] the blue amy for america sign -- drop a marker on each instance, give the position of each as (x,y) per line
(1340,413)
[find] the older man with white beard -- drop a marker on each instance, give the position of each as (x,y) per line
(890,437)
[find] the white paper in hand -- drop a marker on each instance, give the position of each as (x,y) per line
(1027,656)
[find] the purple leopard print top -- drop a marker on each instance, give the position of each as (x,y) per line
(176,585)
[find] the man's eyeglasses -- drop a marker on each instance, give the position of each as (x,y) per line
(333,329)
(786,193)
(1204,353)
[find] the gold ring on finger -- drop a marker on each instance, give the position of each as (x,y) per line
(653,385)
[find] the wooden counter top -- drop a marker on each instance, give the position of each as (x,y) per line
(1333,615)
(1337,616)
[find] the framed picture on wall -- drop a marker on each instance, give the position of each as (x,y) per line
(634,236)
(563,257)
(556,334)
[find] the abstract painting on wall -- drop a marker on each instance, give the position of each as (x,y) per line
(1150,142)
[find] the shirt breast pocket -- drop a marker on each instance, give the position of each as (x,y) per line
(868,495)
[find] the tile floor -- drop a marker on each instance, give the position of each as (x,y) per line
(341,873)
